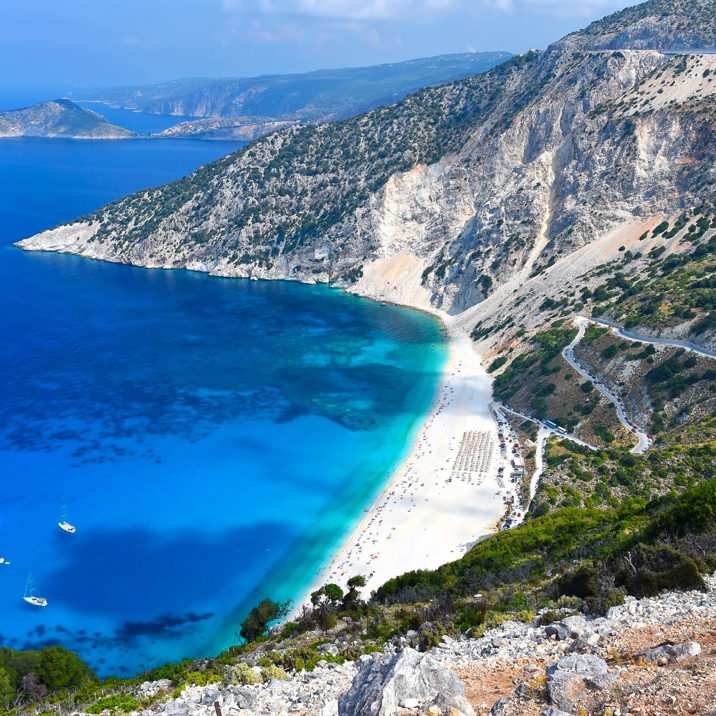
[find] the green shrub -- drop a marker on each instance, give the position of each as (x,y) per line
(273,672)
(582,583)
(114,704)
(553,615)
(497,363)
(610,351)
(653,577)
(59,668)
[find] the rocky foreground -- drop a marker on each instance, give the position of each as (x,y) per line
(650,656)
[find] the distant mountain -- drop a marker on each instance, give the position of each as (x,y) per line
(290,99)
(59,118)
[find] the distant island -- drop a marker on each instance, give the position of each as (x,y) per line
(244,109)
(59,118)
(247,108)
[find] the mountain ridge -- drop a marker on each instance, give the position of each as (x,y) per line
(641,26)
(245,108)
(420,182)
(230,100)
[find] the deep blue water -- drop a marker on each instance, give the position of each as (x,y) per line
(136,121)
(212,439)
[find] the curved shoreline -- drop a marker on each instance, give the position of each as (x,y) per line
(429,512)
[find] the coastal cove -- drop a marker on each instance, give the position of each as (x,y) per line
(213,440)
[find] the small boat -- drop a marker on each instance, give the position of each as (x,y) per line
(67,527)
(30,597)
(64,524)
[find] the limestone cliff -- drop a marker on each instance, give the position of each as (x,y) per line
(483,188)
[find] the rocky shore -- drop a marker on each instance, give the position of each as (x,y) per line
(649,656)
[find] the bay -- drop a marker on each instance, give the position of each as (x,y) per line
(213,440)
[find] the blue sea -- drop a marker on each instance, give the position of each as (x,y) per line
(136,121)
(213,440)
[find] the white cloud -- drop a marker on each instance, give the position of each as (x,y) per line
(359,9)
(573,8)
(326,22)
(280,33)
(412,10)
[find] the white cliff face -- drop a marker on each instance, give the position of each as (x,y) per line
(447,198)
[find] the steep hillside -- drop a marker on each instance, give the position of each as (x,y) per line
(558,183)
(59,118)
(449,195)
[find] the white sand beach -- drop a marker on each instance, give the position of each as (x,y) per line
(446,494)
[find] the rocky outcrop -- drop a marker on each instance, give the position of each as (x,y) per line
(59,118)
(571,676)
(669,653)
(512,670)
(409,682)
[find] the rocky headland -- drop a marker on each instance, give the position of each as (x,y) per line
(59,118)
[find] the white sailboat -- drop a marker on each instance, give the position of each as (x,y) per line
(30,597)
(64,524)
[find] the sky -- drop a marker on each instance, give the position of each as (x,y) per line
(69,44)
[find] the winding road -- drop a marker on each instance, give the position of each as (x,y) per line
(643,441)
(543,433)
(674,342)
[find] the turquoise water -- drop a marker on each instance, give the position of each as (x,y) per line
(212,439)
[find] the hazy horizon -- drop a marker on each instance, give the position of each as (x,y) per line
(60,48)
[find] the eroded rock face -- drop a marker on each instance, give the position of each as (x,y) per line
(409,680)
(444,198)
